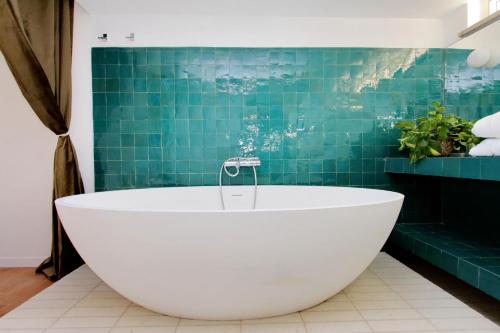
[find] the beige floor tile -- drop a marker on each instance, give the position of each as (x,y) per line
(462,312)
(165,329)
(436,294)
(79,282)
(48,304)
(414,281)
(338,327)
(68,288)
(74,322)
(435,331)
(401,273)
(107,294)
(368,304)
(382,296)
(103,302)
(23,331)
(436,303)
(377,264)
(209,329)
(463,323)
(147,321)
(135,311)
(78,330)
(273,328)
(103,287)
(402,288)
(374,288)
(368,282)
(290,318)
(76,295)
(338,297)
(330,306)
(497,330)
(193,322)
(400,325)
(384,314)
(95,312)
(367,274)
(329,316)
(393,270)
(36,313)
(24,323)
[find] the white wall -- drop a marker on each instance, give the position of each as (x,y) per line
(156,30)
(454,23)
(81,128)
(27,150)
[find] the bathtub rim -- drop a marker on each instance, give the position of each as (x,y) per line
(65,201)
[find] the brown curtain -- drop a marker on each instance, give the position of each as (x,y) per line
(36,41)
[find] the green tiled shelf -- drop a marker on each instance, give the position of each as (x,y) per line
(482,168)
(472,257)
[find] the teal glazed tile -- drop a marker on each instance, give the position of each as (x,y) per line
(419,247)
(489,282)
(451,167)
(470,168)
(314,116)
(485,168)
(490,168)
(429,166)
(449,263)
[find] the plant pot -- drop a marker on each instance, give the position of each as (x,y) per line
(446,147)
(462,154)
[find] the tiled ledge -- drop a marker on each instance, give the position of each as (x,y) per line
(473,258)
(484,168)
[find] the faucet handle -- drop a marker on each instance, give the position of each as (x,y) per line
(242,162)
(250,161)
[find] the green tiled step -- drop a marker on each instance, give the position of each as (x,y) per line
(473,258)
(484,168)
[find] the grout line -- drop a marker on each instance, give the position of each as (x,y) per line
(416,309)
(71,307)
(303,322)
(121,316)
(402,298)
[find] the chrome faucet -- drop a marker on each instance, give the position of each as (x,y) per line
(238,162)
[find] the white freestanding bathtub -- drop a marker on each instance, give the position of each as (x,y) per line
(175,251)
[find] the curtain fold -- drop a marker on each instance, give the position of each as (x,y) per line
(36,41)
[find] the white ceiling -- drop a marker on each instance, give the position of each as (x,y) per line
(291,8)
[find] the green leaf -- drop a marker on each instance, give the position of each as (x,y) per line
(434,152)
(423,137)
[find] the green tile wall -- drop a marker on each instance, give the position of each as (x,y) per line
(169,116)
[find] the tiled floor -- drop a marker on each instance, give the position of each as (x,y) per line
(387,297)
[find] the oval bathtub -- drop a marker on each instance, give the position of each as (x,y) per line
(174,251)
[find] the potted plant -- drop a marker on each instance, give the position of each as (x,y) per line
(436,135)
